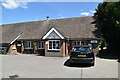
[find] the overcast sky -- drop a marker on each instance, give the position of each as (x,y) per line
(15,12)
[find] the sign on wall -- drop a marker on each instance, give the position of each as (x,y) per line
(93,41)
(18,44)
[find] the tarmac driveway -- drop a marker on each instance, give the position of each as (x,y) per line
(32,66)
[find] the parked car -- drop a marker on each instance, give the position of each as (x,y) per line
(82,54)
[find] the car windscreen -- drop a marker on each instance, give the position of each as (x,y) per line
(82,49)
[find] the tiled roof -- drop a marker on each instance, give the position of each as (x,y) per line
(78,27)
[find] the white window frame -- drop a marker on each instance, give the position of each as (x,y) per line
(52,45)
(41,46)
(76,43)
(30,46)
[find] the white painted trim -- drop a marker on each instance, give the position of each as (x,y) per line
(14,39)
(52,45)
(53,29)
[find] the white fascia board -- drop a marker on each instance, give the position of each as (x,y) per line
(53,29)
(14,39)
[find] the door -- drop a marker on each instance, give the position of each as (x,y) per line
(19,46)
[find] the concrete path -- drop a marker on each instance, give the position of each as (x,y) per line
(32,66)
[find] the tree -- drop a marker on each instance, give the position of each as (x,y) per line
(108,15)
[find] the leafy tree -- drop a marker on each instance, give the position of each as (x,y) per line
(108,15)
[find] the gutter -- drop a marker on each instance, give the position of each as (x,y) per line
(85,38)
(65,39)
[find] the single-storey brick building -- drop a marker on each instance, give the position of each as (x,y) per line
(49,37)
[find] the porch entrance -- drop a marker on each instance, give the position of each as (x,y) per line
(19,46)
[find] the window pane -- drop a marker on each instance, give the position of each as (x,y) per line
(42,46)
(50,43)
(57,44)
(39,44)
(57,47)
(28,44)
(74,43)
(78,42)
(82,42)
(31,46)
(50,47)
(54,45)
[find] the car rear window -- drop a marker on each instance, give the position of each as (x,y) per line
(82,49)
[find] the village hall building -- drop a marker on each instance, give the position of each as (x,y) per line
(54,37)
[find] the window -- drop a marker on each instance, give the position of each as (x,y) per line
(28,45)
(78,43)
(74,43)
(41,44)
(3,50)
(82,42)
(54,45)
(82,49)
